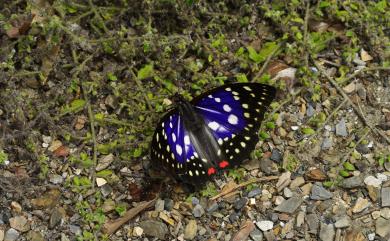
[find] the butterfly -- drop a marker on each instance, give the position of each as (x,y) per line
(216,130)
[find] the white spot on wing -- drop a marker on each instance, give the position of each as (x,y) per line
(173,137)
(213,125)
(186,140)
(232,119)
(220,141)
(243,144)
(227,108)
(247,88)
(217,100)
(179,150)
(245,106)
(228,89)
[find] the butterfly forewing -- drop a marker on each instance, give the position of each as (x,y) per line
(234,112)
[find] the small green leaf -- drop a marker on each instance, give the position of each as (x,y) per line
(348,166)
(111,76)
(270,125)
(104,173)
(308,131)
(145,72)
(74,107)
(344,173)
(99,116)
(328,184)
(264,135)
(137,152)
(241,78)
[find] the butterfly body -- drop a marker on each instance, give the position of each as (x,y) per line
(216,130)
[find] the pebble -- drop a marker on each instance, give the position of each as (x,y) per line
(385,212)
(198,211)
(362,149)
(154,228)
(56,217)
(266,165)
(104,162)
(283,181)
(327,232)
(168,204)
(137,231)
(56,179)
(240,203)
(385,196)
(372,181)
(341,128)
(159,206)
(195,201)
(371,236)
(352,182)
(106,190)
(300,219)
(19,223)
(276,155)
(289,205)
(11,235)
(100,181)
(382,227)
(326,143)
(256,235)
(313,222)
(343,222)
(75,229)
(265,225)
(320,193)
(297,182)
(190,230)
(16,207)
(360,205)
(287,192)
(35,236)
(310,110)
(1,234)
(234,216)
(212,207)
(255,192)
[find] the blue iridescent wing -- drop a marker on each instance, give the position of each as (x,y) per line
(234,113)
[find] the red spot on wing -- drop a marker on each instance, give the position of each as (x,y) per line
(211,171)
(223,164)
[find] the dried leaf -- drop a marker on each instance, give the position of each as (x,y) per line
(244,231)
(20,26)
(62,151)
(316,175)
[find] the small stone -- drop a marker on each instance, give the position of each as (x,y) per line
(350,88)
(269,236)
(306,189)
(256,235)
(310,111)
(2,234)
(279,200)
(56,179)
(159,206)
(198,211)
(290,205)
(341,128)
(300,219)
(234,216)
(154,228)
(352,182)
(104,162)
(371,236)
(195,201)
(362,149)
(276,155)
(287,192)
(297,182)
(100,181)
(343,222)
(360,205)
(212,207)
(106,190)
(313,222)
(382,227)
(385,212)
(56,217)
(376,214)
(190,230)
(294,128)
(108,205)
(265,225)
(166,219)
(252,201)
(327,232)
(240,203)
(76,230)
(320,193)
(283,181)
(137,231)
(385,197)
(35,236)
(327,143)
(19,223)
(267,166)
(16,207)
(168,204)
(11,235)
(365,56)
(316,174)
(372,181)
(382,177)
(255,192)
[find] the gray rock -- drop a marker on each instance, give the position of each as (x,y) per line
(387,166)
(64,237)
(106,190)
(75,229)
(159,206)
(212,207)
(11,235)
(343,222)
(313,222)
(385,197)
(362,149)
(198,211)
(34,236)
(289,205)
(168,204)
(265,225)
(154,229)
(256,235)
(190,230)
(255,192)
(240,203)
(310,111)
(269,236)
(382,227)
(276,155)
(352,182)
(266,165)
(341,128)
(55,218)
(287,192)
(56,179)
(320,193)
(327,232)
(234,216)
(326,143)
